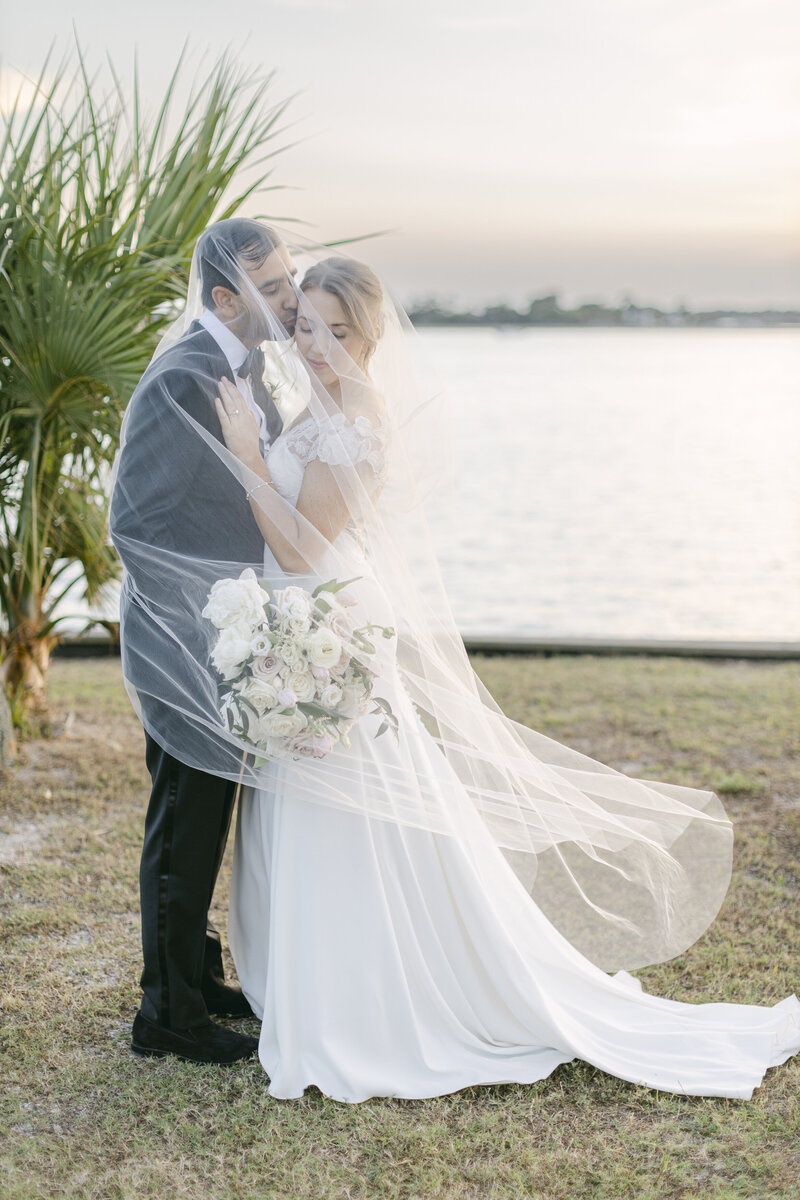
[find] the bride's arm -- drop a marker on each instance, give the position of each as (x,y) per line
(320,502)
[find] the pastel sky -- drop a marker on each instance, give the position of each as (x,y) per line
(593,147)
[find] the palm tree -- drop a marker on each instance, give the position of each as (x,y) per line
(99,211)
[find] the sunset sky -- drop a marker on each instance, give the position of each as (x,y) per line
(593,147)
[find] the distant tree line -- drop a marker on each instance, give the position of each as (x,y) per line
(546,310)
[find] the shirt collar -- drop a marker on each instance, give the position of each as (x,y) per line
(234,350)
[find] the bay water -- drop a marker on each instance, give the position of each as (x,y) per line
(638,483)
(635,483)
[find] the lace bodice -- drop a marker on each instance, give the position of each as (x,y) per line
(335,441)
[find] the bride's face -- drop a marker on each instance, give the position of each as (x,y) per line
(322,324)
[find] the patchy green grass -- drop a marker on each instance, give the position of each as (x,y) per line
(81,1117)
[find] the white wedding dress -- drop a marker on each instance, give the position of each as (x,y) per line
(390,961)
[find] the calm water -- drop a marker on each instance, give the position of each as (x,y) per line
(626,483)
(629,483)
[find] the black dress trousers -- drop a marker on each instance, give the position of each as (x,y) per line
(186,829)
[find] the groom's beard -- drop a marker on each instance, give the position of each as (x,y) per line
(260,328)
(254,326)
(287,323)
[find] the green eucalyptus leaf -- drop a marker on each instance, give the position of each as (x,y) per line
(333,585)
(310,708)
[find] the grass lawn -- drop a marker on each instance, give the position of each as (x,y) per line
(80,1116)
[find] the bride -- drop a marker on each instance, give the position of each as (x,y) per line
(436,900)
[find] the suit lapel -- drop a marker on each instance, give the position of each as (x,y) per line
(198,340)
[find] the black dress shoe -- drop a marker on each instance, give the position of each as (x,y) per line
(222,1000)
(203,1044)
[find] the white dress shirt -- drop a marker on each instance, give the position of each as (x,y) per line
(235,352)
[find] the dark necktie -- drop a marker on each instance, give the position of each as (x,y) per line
(253,369)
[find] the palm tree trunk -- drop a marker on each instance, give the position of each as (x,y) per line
(7,741)
(25,668)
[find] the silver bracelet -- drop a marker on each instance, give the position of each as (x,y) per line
(264,483)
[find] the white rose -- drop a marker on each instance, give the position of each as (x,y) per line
(293,657)
(240,630)
(229,652)
(330,695)
(236,601)
(324,648)
(261,693)
(352,701)
(282,725)
(302,684)
(294,604)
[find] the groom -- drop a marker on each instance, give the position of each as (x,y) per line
(166,501)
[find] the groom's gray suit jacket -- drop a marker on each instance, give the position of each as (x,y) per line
(175,497)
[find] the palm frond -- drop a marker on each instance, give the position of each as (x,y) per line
(100,207)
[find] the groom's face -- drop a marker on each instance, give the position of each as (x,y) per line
(273,284)
(268,286)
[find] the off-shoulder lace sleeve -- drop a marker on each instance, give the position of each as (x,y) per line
(348,443)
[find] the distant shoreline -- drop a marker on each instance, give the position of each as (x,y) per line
(546,312)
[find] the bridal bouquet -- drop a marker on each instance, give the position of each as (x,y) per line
(299,674)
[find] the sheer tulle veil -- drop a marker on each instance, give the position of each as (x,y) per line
(630,871)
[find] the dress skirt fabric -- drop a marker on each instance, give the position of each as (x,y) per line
(390,961)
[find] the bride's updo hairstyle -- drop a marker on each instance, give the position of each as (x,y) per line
(359,292)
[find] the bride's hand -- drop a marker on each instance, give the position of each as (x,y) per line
(239,426)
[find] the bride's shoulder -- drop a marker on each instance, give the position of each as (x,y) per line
(370,403)
(367,413)
(356,435)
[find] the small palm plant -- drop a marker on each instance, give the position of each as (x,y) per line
(99,211)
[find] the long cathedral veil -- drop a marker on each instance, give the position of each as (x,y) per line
(630,871)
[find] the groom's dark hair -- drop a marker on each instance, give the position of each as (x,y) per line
(226,243)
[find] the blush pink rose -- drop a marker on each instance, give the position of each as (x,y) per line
(266,666)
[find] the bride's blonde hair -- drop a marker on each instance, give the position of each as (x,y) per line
(359,292)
